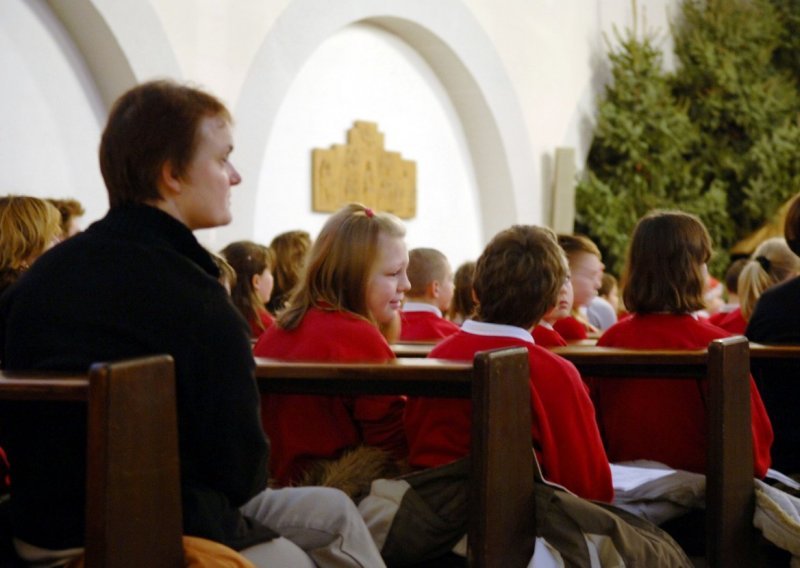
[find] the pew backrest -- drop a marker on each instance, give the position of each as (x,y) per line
(501,529)
(133,499)
(730,498)
(412,348)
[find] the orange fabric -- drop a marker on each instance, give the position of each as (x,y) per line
(200,553)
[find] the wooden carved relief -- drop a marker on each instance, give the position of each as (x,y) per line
(363,171)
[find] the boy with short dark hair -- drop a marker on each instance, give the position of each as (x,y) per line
(430,295)
(517,280)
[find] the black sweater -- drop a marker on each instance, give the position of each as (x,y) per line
(135,283)
(776,319)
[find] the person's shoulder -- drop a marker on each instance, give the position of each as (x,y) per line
(776,318)
(546,337)
(546,361)
(621,328)
(341,334)
(703,325)
(445,325)
(785,295)
(455,344)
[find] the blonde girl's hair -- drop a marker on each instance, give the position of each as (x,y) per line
(771,263)
(227,275)
(247,259)
(28,226)
(664,269)
(339,264)
(68,209)
(291,249)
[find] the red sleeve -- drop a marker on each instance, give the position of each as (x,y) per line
(380,419)
(564,425)
(570,328)
(762,433)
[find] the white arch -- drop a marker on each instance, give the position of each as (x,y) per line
(123,43)
(448,36)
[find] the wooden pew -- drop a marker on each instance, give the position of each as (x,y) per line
(501,530)
(760,352)
(730,497)
(415,349)
(133,498)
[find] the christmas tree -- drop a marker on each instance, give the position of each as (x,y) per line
(718,137)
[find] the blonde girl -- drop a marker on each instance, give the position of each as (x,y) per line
(354,281)
(290,250)
(771,263)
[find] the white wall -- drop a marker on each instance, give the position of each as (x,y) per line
(478,92)
(50,114)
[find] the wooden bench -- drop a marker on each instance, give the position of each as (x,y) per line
(414,349)
(501,529)
(133,498)
(730,497)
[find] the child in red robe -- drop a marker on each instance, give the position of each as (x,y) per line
(355,280)
(430,295)
(770,264)
(253,284)
(544,334)
(666,420)
(586,272)
(517,279)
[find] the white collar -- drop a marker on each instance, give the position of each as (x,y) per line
(496,330)
(421,307)
(547,325)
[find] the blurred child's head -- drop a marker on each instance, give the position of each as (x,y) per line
(252,263)
(357,264)
(227,275)
(666,264)
(732,279)
(518,276)
(28,227)
(463,304)
(585,264)
(70,210)
(771,263)
(431,277)
(609,289)
(563,307)
(290,249)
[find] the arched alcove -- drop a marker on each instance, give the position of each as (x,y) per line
(452,42)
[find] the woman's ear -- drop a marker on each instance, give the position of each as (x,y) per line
(168,180)
(255,280)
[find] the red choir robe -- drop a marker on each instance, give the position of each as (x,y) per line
(563,430)
(545,335)
(666,420)
(570,328)
(266,320)
(732,322)
(424,322)
(303,428)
